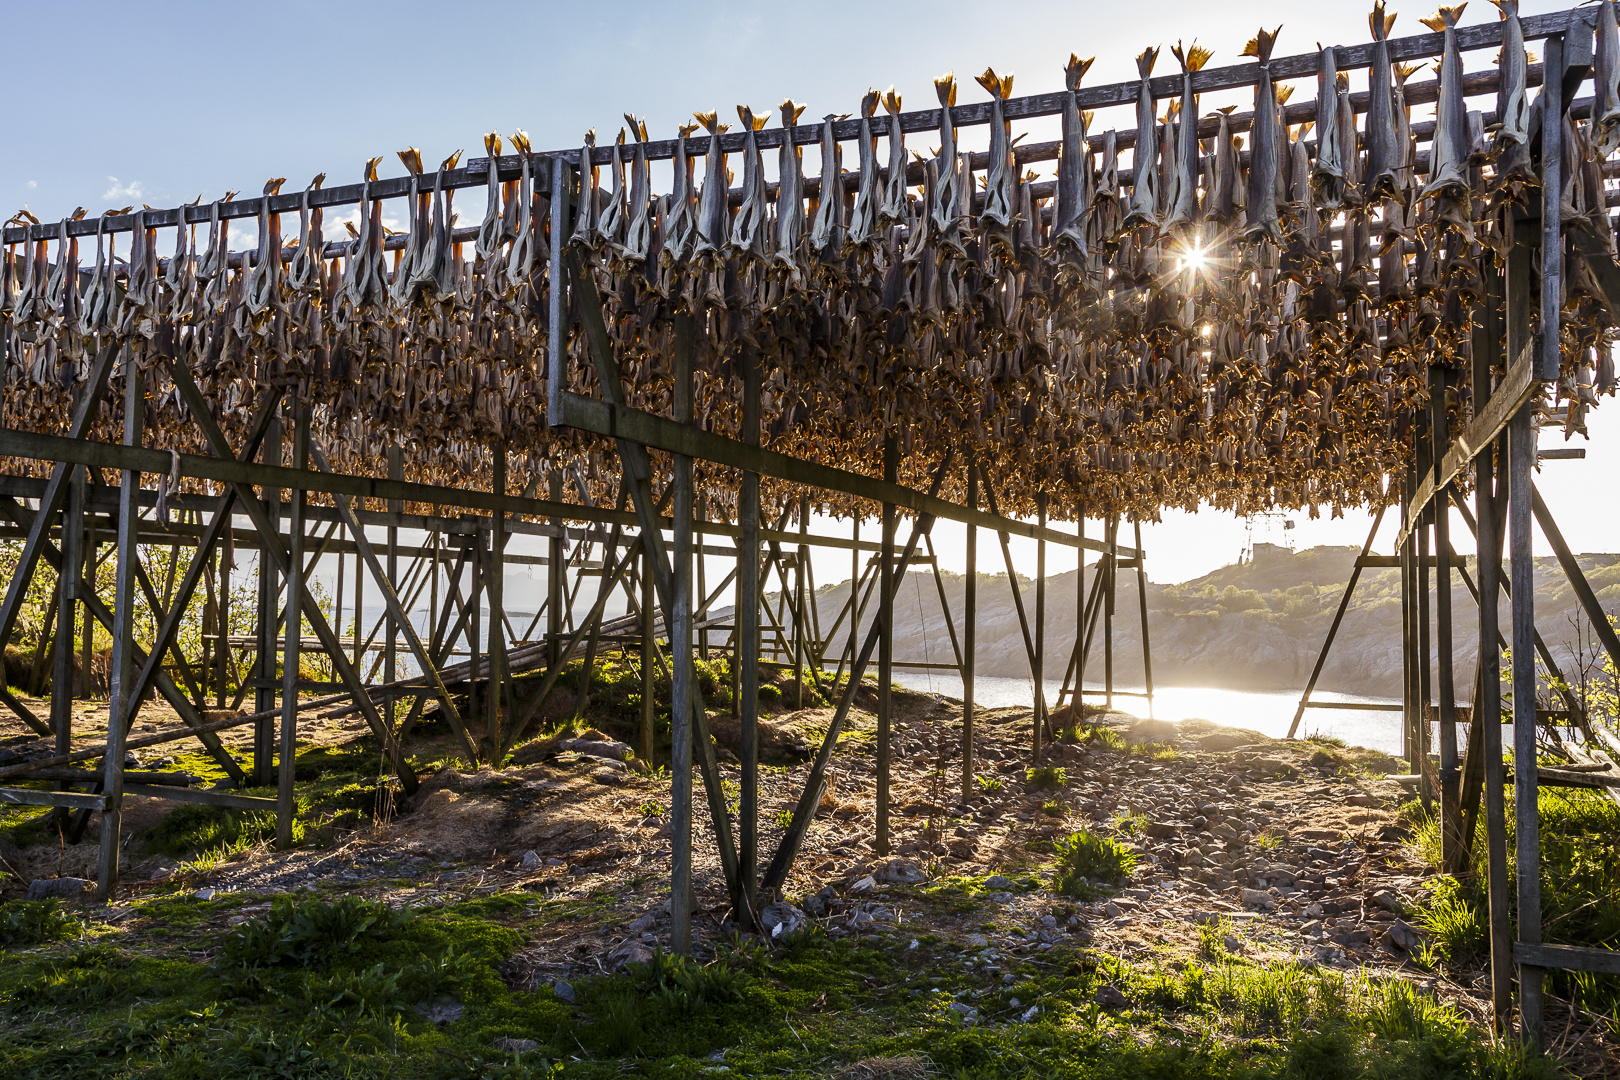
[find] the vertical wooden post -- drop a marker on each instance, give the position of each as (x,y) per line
(801,620)
(396,471)
(970,633)
(648,649)
(1487,714)
(222,654)
(1409,696)
(87,635)
(891,473)
(1108,612)
(67,594)
(1521,460)
(1079,698)
(1141,595)
(359,611)
(496,699)
(1454,846)
(1037,667)
(294,622)
(680,657)
(745,621)
(121,709)
(1526,793)
(1425,685)
(264,696)
(556,582)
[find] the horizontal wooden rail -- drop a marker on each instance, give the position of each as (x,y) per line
(1567,958)
(1357,706)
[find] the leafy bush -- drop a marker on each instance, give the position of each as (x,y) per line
(988,783)
(1046,776)
(681,985)
(24,923)
(307,933)
(770,692)
(1052,808)
(1083,857)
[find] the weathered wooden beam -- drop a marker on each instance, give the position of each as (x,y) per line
(1567,957)
(1516,388)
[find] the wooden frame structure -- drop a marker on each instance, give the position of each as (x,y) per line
(273,469)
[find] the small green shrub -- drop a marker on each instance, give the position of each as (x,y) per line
(679,984)
(1046,776)
(24,923)
(770,692)
(1052,808)
(307,933)
(1084,855)
(988,783)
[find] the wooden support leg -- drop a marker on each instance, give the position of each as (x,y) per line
(680,648)
(746,657)
(970,634)
(1425,684)
(885,694)
(293,628)
(1037,667)
(66,610)
(647,646)
(264,698)
(121,706)
(1141,596)
(1527,827)
(1454,852)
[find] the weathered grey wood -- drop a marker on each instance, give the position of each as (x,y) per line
(121,707)
(1141,593)
(24,714)
(970,631)
(746,658)
(1037,667)
(683,688)
(1521,455)
(66,612)
(887,582)
(68,800)
(1553,104)
(1338,617)
(1567,957)
(1488,336)
(396,471)
(1514,390)
(201,795)
(287,747)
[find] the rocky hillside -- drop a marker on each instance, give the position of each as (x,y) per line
(1254,626)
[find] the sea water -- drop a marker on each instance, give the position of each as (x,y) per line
(1269,712)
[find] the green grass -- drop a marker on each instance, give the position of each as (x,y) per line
(346,1007)
(1580,889)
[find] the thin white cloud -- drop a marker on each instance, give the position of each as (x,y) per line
(33,183)
(131,190)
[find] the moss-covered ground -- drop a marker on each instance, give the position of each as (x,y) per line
(318,988)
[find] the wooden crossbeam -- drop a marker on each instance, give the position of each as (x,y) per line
(1516,388)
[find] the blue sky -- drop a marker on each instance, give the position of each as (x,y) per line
(114,104)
